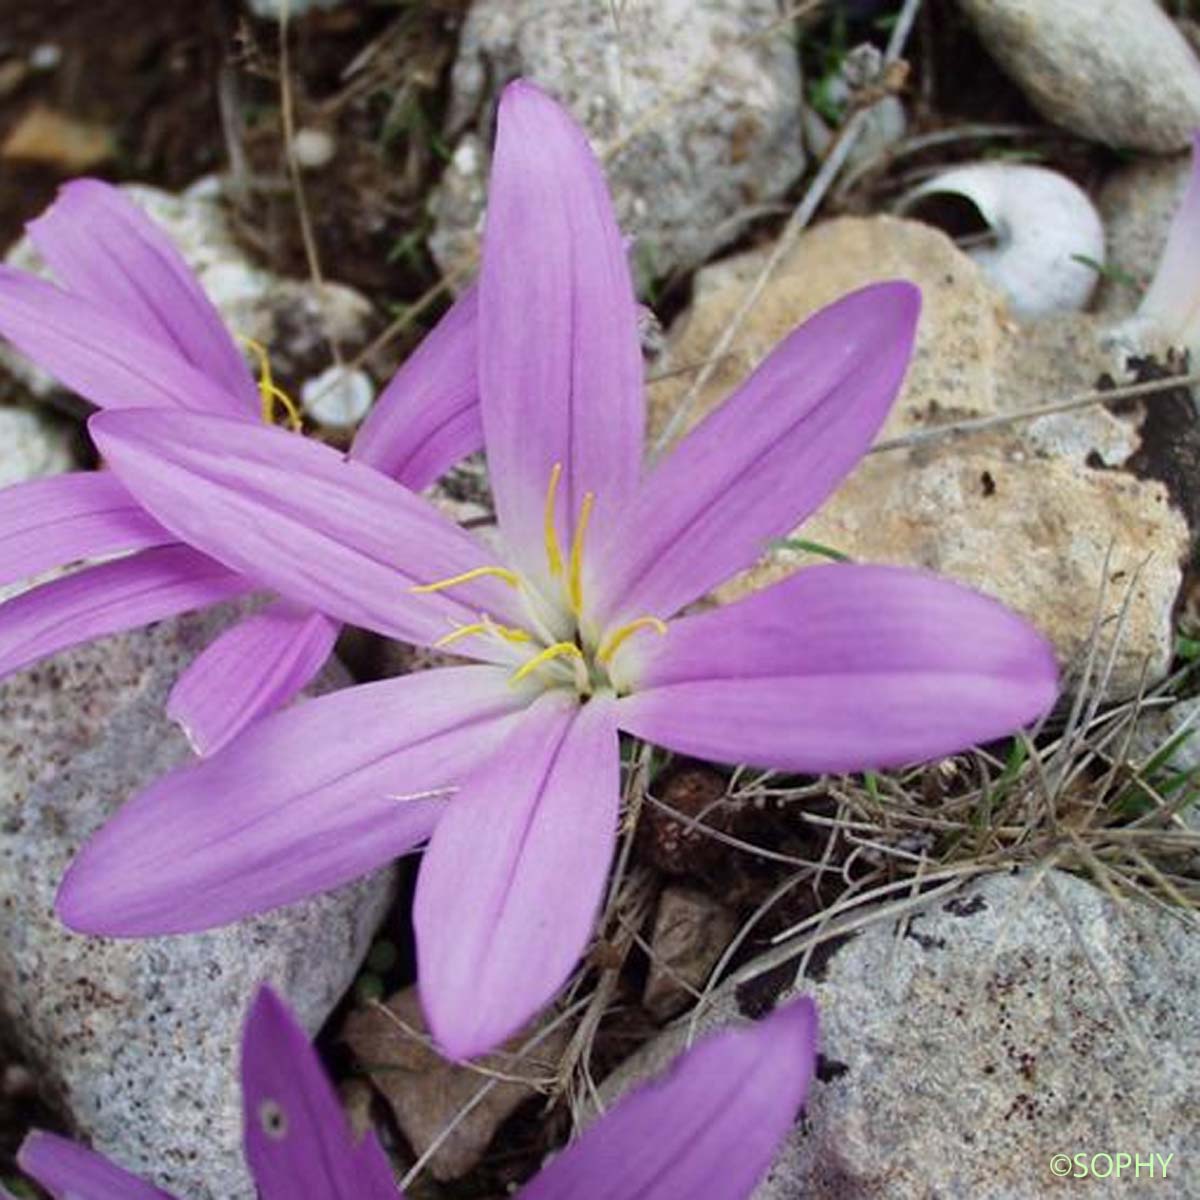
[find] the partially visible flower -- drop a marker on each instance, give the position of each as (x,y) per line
(707,1129)
(134,329)
(837,668)
(1172,301)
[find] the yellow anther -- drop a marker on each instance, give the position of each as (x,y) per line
(558,650)
(512,634)
(575,579)
(461,632)
(295,420)
(269,391)
(553,551)
(510,577)
(485,626)
(619,637)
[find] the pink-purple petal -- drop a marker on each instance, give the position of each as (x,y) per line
(512,880)
(709,1128)
(841,668)
(427,418)
(110,598)
(301,802)
(53,522)
(298,1144)
(104,249)
(763,460)
(249,671)
(1172,301)
(69,1171)
(101,356)
(560,365)
(298,517)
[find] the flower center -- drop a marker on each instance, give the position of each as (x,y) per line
(560,648)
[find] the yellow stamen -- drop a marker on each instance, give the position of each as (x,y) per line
(510,577)
(558,650)
(553,551)
(575,579)
(295,420)
(506,632)
(511,633)
(269,391)
(618,637)
(461,632)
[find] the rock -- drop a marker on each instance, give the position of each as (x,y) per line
(669,834)
(1032,532)
(293,319)
(426,1092)
(338,397)
(314,148)
(1054,359)
(1117,71)
(691,931)
(1137,205)
(952,373)
(136,1042)
(45,135)
(1016,513)
(700,105)
(957,1060)
(33,443)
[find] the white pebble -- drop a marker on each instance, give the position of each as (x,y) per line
(313,148)
(45,56)
(338,397)
(1049,239)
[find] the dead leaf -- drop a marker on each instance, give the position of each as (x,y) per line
(48,136)
(426,1092)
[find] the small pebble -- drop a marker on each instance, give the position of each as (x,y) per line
(313,148)
(45,56)
(338,397)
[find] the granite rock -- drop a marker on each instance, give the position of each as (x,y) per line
(698,100)
(136,1042)
(1115,71)
(1024,1017)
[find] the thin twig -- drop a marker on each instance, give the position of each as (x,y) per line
(1133,391)
(287,112)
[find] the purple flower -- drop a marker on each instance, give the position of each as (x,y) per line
(133,329)
(708,1128)
(838,668)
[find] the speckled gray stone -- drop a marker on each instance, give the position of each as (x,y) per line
(1116,71)
(33,442)
(137,1041)
(1137,205)
(961,1053)
(707,92)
